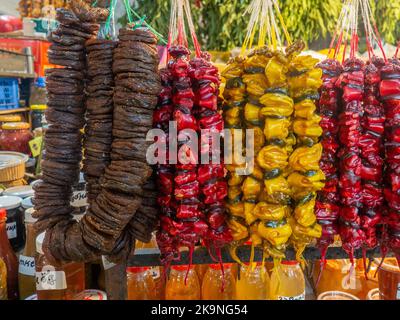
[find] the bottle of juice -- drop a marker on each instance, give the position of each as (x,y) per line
(217,286)
(201,270)
(252,283)
(141,285)
(8,257)
(57,281)
(3,280)
(26,270)
(157,271)
(287,282)
(177,289)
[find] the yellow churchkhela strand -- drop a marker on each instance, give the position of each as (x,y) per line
(306,177)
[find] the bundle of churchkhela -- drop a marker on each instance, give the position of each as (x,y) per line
(118,89)
(273,93)
(191,194)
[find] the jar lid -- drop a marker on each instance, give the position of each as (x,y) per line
(40,82)
(39,242)
(27,203)
(10,202)
(28,216)
(10,159)
(91,294)
(15,126)
(32,297)
(137,269)
(11,118)
(217,266)
(38,107)
(19,191)
(182,267)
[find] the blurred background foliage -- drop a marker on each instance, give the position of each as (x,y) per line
(221,24)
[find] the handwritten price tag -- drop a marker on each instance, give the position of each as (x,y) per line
(36,145)
(49,279)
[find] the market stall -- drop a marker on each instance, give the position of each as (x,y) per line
(139,166)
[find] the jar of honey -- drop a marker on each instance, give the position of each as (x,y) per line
(57,281)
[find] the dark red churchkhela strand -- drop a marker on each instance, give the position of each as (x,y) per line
(327,204)
(371,146)
(390,95)
(352,83)
(213,187)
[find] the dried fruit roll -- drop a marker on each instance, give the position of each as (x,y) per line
(306,177)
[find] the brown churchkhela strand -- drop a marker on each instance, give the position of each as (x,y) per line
(114,124)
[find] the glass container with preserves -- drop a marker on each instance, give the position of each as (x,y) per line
(389,279)
(141,285)
(26,270)
(15,136)
(218,285)
(252,283)
(15,221)
(9,258)
(179,289)
(57,281)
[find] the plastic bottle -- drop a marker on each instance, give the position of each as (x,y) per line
(38,103)
(57,281)
(26,271)
(252,283)
(141,285)
(9,258)
(287,282)
(217,286)
(157,271)
(176,289)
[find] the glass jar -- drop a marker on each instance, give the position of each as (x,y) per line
(57,281)
(26,270)
(15,221)
(336,295)
(252,282)
(15,136)
(389,279)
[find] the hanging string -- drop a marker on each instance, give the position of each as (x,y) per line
(128,11)
(191,28)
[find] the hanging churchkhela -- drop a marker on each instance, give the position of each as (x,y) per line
(191,195)
(121,96)
(279,86)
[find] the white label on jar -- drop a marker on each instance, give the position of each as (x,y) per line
(155,272)
(106,263)
(49,279)
(26,265)
(299,297)
(398,291)
(79,199)
(11,230)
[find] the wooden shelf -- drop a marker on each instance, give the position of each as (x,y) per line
(150,257)
(17,75)
(10,111)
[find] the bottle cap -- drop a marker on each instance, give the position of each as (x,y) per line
(3,214)
(28,216)
(27,203)
(40,82)
(137,269)
(289,262)
(182,267)
(91,295)
(10,202)
(19,191)
(39,242)
(217,266)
